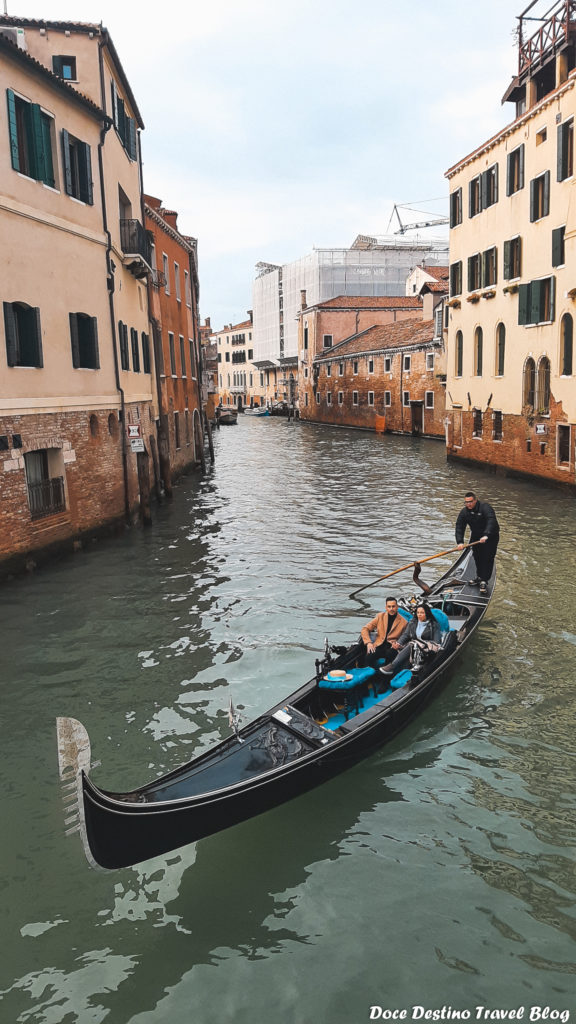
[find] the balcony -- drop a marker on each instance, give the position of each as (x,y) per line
(47,498)
(136,248)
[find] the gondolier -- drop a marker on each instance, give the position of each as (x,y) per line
(484,528)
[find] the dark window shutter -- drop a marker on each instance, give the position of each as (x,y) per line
(546,203)
(524,304)
(519,243)
(552,298)
(560,153)
(471,198)
(533,200)
(557,235)
(38,152)
(114,96)
(470,273)
(507,273)
(535,302)
(485,275)
(495,178)
(495,251)
(131,137)
(509,174)
(13,127)
(121,119)
(74,340)
(86,192)
(48,178)
(11,330)
(39,355)
(66,162)
(483,190)
(94,322)
(521,167)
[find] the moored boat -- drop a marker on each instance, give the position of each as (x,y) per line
(257,411)
(299,743)
(228,418)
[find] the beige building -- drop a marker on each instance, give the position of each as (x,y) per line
(74,334)
(511,395)
(239,382)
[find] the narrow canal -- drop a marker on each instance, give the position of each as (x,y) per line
(438,873)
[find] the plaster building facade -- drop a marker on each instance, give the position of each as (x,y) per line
(74,334)
(173,297)
(240,382)
(511,371)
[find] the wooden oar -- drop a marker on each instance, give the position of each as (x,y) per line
(419,561)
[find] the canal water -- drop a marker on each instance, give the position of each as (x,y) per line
(438,873)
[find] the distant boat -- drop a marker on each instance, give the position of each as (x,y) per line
(257,411)
(228,417)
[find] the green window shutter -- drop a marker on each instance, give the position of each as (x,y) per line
(470,198)
(509,174)
(552,298)
(524,304)
(114,98)
(84,159)
(49,178)
(95,343)
(38,169)
(131,137)
(495,250)
(39,355)
(484,280)
(533,200)
(519,257)
(74,340)
(506,273)
(470,273)
(535,302)
(13,128)
(546,209)
(557,235)
(521,168)
(121,119)
(66,162)
(484,190)
(496,183)
(11,331)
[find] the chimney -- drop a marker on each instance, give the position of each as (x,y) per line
(207,322)
(302,298)
(250,316)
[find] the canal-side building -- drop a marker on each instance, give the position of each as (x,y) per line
(74,332)
(173,298)
(425,275)
(511,372)
(240,382)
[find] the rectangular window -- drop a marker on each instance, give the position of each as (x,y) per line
(438,321)
(327,341)
(192,358)
(123,123)
(123,342)
(512,258)
(227,357)
(456,278)
(135,350)
(405,398)
(172,353)
(407,363)
(387,364)
(341,369)
(84,340)
(497,426)
(565,150)
(177,429)
(23,334)
(474,272)
(455,207)
(370,398)
(64,67)
(306,399)
(305,336)
(429,399)
(46,493)
(429,360)
(187,292)
(177,281)
(489,187)
(166,270)
(328,369)
(564,445)
(305,376)
(540,196)
(355,367)
(370,366)
(77,164)
(340,398)
(387,398)
(317,398)
(30,131)
(536,301)
(354,398)
(489,267)
(477,423)
(328,398)
(474,200)
(146,353)
(182,356)
(558,246)
(515,171)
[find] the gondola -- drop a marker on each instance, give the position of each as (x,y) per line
(313,735)
(228,418)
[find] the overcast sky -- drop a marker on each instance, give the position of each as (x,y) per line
(276,127)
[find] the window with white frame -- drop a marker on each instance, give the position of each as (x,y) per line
(371,366)
(429,360)
(407,363)
(354,398)
(317,398)
(328,369)
(405,398)
(187,292)
(387,364)
(355,367)
(327,341)
(328,398)
(429,399)
(387,398)
(340,398)
(370,398)
(166,271)
(31,139)
(341,369)
(177,281)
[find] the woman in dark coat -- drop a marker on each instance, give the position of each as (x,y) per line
(422,629)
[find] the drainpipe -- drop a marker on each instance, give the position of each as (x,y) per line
(111,284)
(401,391)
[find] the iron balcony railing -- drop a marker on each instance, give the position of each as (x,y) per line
(134,239)
(47,498)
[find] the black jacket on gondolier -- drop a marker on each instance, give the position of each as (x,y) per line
(482,522)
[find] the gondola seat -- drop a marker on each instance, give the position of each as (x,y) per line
(349,687)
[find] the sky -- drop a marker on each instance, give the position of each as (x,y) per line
(276,127)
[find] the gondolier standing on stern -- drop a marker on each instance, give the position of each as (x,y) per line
(481,518)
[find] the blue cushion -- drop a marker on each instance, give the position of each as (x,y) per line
(405,614)
(401,678)
(442,619)
(359,675)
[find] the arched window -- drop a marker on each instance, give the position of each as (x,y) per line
(500,349)
(566,345)
(459,353)
(478,347)
(543,400)
(528,395)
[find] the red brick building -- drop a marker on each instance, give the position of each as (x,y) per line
(173,297)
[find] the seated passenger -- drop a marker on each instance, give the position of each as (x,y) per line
(389,627)
(421,632)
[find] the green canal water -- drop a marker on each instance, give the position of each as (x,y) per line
(440,873)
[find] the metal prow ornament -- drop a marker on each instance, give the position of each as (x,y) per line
(234,719)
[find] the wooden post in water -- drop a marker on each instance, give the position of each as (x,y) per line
(209,436)
(156,464)
(142,460)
